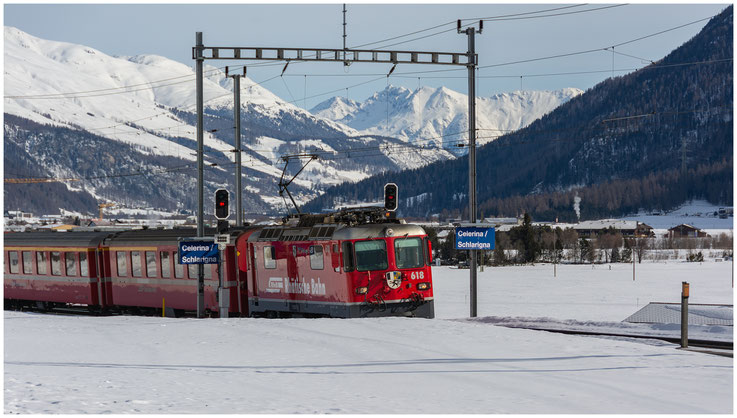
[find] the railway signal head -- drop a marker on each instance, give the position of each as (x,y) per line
(390,196)
(222,210)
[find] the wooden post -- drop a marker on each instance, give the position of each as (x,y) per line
(684,315)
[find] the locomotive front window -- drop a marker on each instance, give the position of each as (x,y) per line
(56,263)
(14,266)
(371,255)
(41,262)
(408,253)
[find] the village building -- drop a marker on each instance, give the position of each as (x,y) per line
(686,231)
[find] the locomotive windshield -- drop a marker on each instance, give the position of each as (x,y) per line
(371,255)
(408,253)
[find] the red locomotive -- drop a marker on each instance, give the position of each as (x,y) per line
(354,263)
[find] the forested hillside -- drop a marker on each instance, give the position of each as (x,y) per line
(650,139)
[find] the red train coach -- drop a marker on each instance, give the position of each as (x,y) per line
(351,264)
(144,272)
(47,268)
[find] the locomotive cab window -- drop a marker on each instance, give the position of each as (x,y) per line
(269,258)
(13,258)
(349,263)
(371,255)
(27,262)
(316,259)
(408,253)
(56,263)
(70,260)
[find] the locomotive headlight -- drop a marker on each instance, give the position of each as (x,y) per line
(361,290)
(389,232)
(394,279)
(423,286)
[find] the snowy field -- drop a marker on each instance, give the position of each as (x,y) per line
(71,365)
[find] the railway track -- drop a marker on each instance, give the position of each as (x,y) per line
(708,344)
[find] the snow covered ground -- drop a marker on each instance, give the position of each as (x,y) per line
(698,213)
(451,364)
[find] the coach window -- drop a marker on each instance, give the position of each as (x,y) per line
(151,264)
(122,263)
(165,264)
(206,269)
(83,266)
(269,258)
(316,259)
(56,263)
(27,262)
(349,263)
(13,257)
(41,263)
(408,253)
(178,268)
(371,255)
(70,260)
(136,263)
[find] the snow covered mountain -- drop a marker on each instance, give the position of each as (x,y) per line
(440,116)
(146,103)
(127,127)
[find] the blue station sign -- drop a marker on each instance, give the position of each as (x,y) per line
(474,238)
(198,252)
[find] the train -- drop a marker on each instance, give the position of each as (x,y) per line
(349,264)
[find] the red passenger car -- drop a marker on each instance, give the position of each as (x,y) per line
(50,268)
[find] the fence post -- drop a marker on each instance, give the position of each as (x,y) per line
(684,315)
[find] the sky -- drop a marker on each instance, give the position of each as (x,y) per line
(536,31)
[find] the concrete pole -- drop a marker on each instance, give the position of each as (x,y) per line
(200,181)
(471,32)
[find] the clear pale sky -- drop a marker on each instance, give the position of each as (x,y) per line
(169,30)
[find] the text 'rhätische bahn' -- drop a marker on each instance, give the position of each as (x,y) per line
(348,264)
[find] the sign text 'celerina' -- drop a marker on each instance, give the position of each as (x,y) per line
(198,252)
(475,238)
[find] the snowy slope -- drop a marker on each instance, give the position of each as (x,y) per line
(697,213)
(147,102)
(440,116)
(447,365)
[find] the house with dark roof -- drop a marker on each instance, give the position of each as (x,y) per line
(686,231)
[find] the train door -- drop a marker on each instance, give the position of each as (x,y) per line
(254,273)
